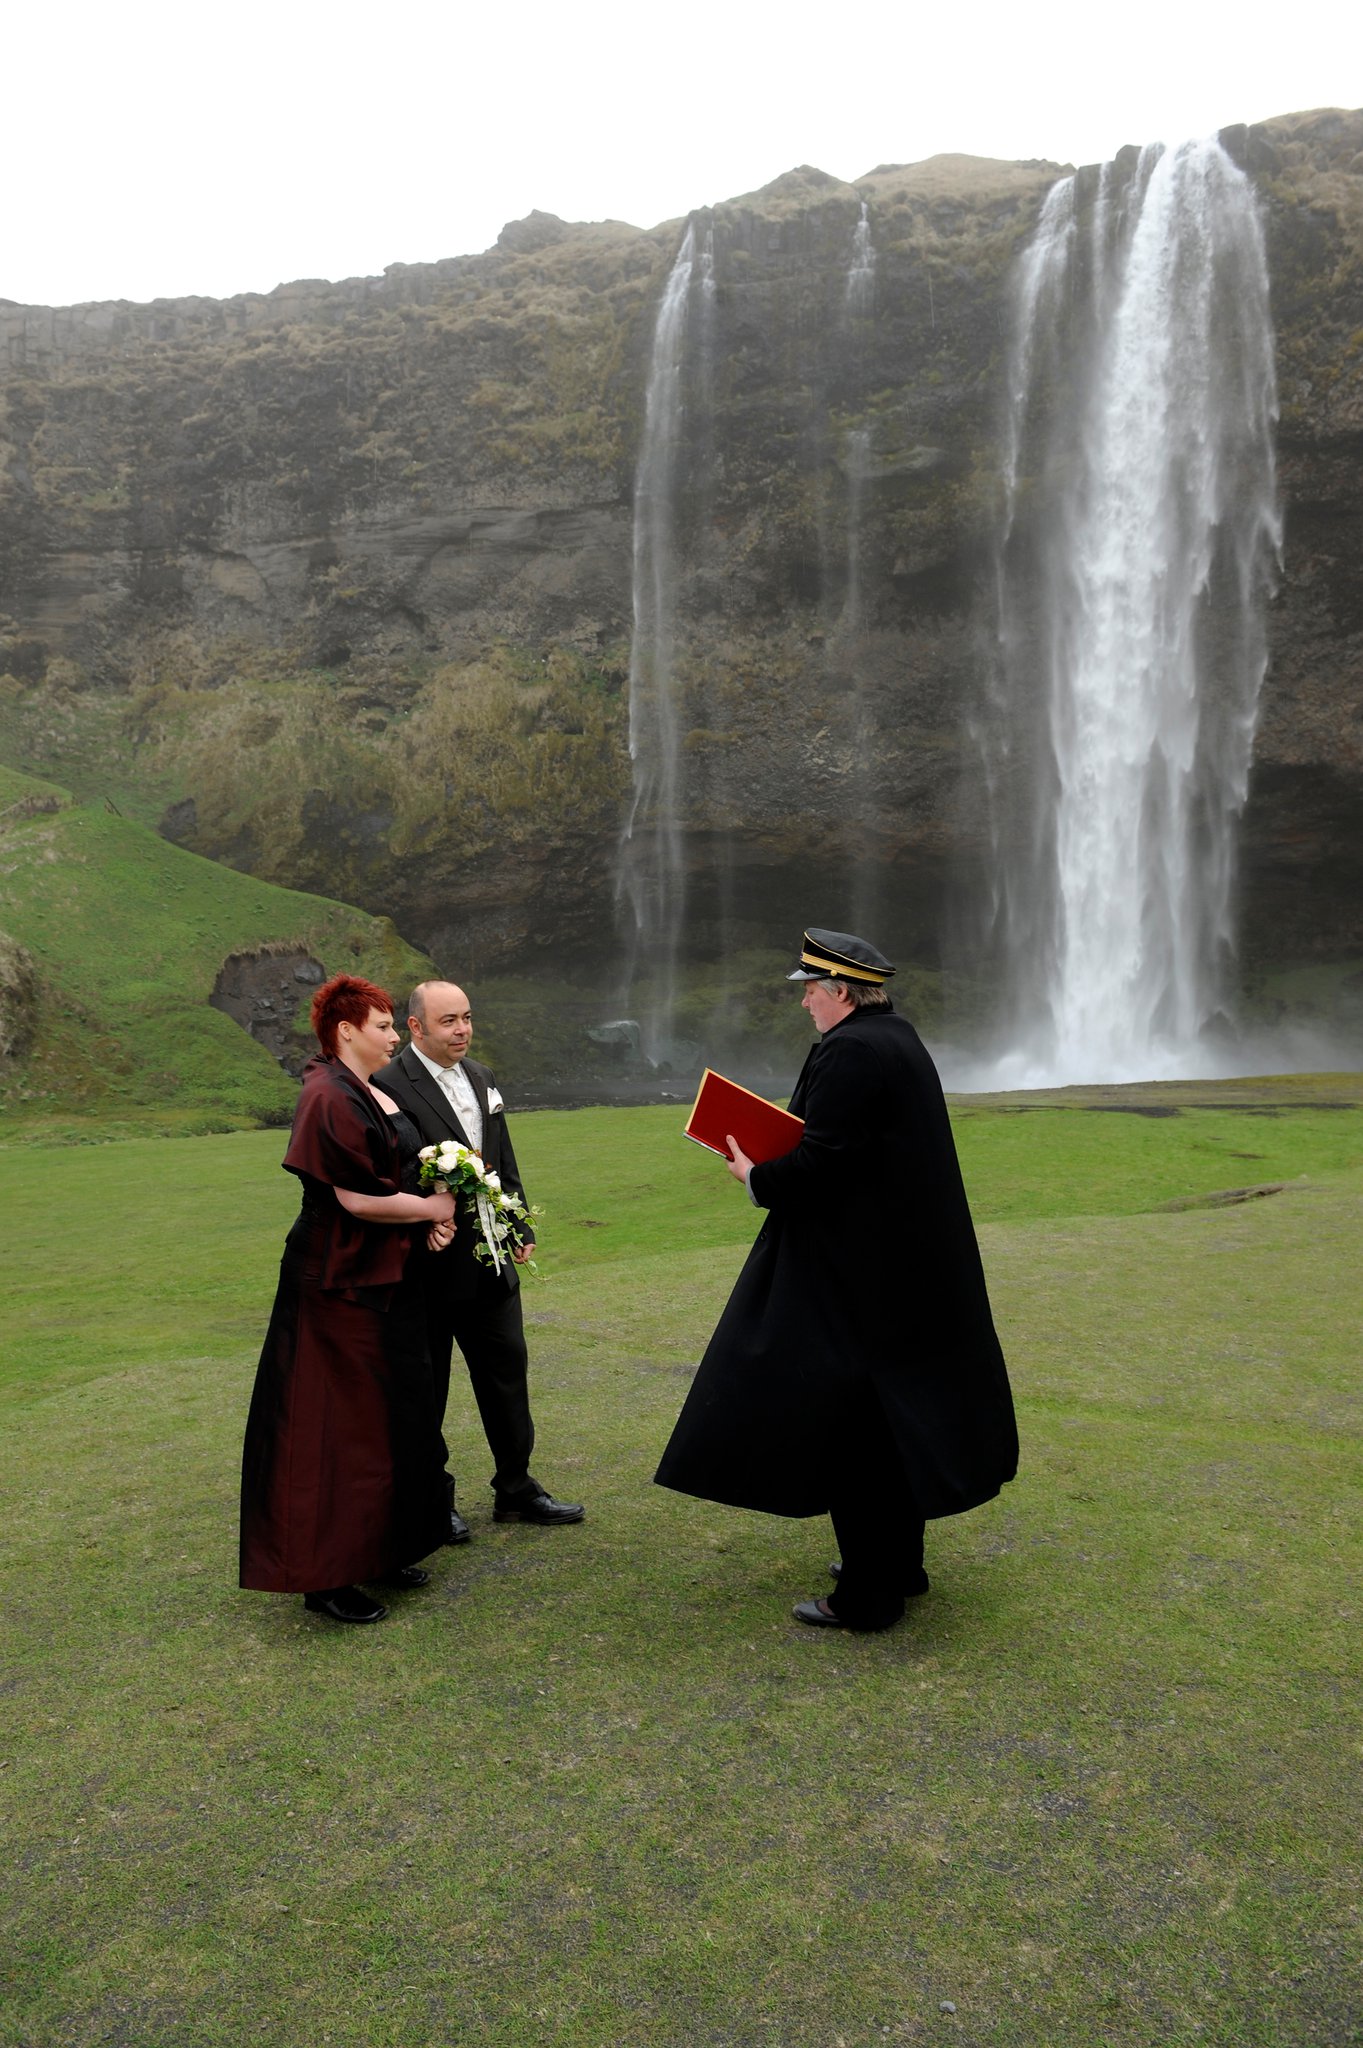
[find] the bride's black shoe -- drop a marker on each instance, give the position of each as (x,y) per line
(345,1603)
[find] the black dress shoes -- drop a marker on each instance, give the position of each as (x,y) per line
(406,1578)
(817,1614)
(460,1531)
(535,1507)
(345,1603)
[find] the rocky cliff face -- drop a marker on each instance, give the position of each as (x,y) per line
(337,581)
(1304,827)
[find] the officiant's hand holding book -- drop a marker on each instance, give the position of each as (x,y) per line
(724,1111)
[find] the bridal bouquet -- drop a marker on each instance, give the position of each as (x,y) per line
(478,1191)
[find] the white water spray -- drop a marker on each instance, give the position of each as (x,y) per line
(1138,455)
(651,870)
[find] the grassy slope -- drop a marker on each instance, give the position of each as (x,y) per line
(593,1786)
(128,934)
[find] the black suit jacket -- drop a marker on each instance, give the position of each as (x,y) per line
(456,1272)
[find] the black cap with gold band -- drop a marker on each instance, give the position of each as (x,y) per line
(838,956)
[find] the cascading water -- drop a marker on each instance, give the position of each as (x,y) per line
(859,305)
(859,298)
(650,869)
(861,271)
(1140,541)
(856,470)
(704,285)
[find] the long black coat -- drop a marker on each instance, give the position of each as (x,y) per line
(865,1270)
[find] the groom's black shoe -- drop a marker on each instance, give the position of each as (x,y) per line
(538,1506)
(460,1531)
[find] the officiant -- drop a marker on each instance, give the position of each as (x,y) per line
(855,1370)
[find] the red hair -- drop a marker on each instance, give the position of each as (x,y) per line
(345,999)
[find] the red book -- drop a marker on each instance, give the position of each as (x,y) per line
(722,1109)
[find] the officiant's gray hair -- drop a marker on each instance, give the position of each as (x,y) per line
(862,995)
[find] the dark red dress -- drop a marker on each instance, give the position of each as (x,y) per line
(341,1472)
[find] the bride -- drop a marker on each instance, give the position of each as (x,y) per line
(342,1483)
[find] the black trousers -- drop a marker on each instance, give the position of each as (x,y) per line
(879,1530)
(490,1332)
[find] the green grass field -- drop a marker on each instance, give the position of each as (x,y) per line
(594,1786)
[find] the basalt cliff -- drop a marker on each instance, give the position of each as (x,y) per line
(336,583)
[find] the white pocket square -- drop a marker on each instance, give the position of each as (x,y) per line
(494,1101)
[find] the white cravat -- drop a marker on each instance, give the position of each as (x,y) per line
(459,1092)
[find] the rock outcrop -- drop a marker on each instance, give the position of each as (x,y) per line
(18,999)
(260,991)
(340,576)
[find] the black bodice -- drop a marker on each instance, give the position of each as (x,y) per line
(409,1144)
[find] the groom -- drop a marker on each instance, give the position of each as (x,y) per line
(468,1302)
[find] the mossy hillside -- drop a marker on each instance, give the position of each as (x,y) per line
(26,795)
(83,741)
(127,935)
(345,782)
(533,1025)
(478,803)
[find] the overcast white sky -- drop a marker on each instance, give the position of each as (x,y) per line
(157,149)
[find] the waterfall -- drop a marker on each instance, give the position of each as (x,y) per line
(705,284)
(1139,543)
(859,298)
(861,812)
(651,870)
(860,295)
(856,469)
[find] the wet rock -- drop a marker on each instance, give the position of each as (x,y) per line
(261,992)
(179,821)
